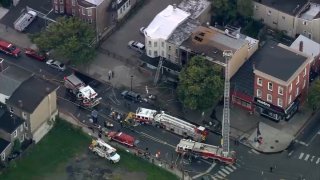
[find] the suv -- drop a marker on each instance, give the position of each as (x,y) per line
(136,46)
(9,48)
(130,95)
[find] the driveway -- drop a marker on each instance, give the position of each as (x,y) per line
(117,43)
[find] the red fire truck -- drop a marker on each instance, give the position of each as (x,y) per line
(205,151)
(121,138)
(168,122)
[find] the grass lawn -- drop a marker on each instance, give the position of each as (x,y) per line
(61,144)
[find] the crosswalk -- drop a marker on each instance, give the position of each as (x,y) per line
(224,172)
(309,158)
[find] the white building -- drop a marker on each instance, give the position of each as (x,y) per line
(160,29)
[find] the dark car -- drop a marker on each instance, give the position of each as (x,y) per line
(130,95)
(35,55)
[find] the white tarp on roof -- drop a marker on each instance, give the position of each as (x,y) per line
(95,2)
(310,47)
(166,22)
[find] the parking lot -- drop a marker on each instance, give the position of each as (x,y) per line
(117,43)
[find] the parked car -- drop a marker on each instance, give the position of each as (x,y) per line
(130,95)
(9,48)
(136,46)
(56,64)
(34,54)
(142,30)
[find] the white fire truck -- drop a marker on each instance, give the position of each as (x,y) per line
(168,122)
(104,150)
(24,20)
(84,94)
(206,151)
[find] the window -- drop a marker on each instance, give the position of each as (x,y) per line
(259,93)
(83,11)
(61,9)
(149,43)
(73,2)
(162,53)
(25,125)
(280,90)
(255,7)
(280,103)
(269,13)
(297,92)
(305,72)
(305,23)
(129,2)
(61,1)
(290,88)
(21,128)
(3,156)
(15,133)
(11,109)
(298,78)
(269,97)
(24,115)
(162,44)
(169,47)
(89,11)
(149,53)
(155,53)
(155,44)
(289,101)
(22,138)
(259,81)
(304,84)
(270,86)
(309,35)
(169,57)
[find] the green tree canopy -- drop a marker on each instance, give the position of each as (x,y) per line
(200,84)
(70,38)
(224,10)
(244,8)
(314,95)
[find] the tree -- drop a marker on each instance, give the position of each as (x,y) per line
(244,8)
(16,146)
(70,38)
(314,95)
(224,10)
(200,84)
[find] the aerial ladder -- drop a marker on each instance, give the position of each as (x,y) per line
(225,142)
(159,68)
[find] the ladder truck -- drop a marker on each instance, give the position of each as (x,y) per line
(167,122)
(24,20)
(222,154)
(84,94)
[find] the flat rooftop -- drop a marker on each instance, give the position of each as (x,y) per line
(166,22)
(309,47)
(194,7)
(291,7)
(183,31)
(312,12)
(277,61)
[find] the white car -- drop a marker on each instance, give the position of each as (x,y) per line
(142,29)
(138,46)
(56,64)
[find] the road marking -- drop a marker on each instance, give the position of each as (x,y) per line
(301,155)
(318,161)
(233,167)
(312,158)
(224,170)
(254,151)
(222,174)
(230,169)
(218,176)
(307,157)
(214,178)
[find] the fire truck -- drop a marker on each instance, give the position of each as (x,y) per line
(104,150)
(84,94)
(168,122)
(121,138)
(206,151)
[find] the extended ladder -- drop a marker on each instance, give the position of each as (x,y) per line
(156,77)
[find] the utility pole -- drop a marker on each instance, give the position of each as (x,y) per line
(227,54)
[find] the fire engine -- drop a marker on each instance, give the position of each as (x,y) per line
(121,138)
(84,94)
(168,122)
(205,151)
(104,150)
(9,48)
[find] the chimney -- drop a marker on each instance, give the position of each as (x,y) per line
(1,65)
(174,6)
(301,46)
(20,103)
